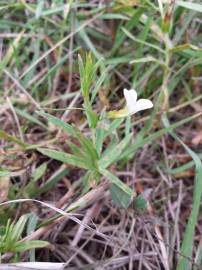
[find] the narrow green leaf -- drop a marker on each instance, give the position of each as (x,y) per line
(100,133)
(89,44)
(113,16)
(27,245)
(183,47)
(39,9)
(92,118)
(125,30)
(184,167)
(187,243)
(39,172)
(133,148)
(99,82)
(115,153)
(19,227)
(57,122)
(127,191)
(4,173)
(113,126)
(67,158)
(75,132)
(52,181)
(120,36)
(190,5)
(29,117)
(75,149)
(5,136)
(10,51)
(198,258)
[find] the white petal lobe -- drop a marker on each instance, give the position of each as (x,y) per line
(131,98)
(142,104)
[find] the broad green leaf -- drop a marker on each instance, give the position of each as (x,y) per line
(120,198)
(140,202)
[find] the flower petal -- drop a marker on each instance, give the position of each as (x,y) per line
(142,104)
(131,98)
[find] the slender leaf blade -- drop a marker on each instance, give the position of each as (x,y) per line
(67,158)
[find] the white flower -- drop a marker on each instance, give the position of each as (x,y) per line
(133,105)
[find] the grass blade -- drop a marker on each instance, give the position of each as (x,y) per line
(187,243)
(190,5)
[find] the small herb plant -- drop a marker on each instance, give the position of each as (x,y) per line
(89,152)
(11,235)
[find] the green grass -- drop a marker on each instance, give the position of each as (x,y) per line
(64,65)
